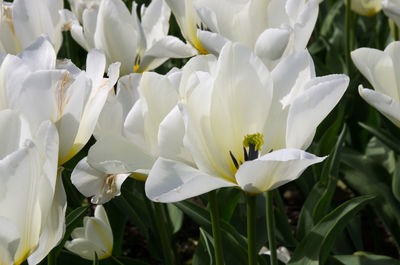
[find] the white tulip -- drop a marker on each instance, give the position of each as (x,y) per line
(94,237)
(391,8)
(32,198)
(273,29)
(23,21)
(225,117)
(91,182)
(73,99)
(128,132)
(139,46)
(366,7)
(382,70)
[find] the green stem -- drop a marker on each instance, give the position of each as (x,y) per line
(162,227)
(376,35)
(347,35)
(396,32)
(251,228)
(271,226)
(117,260)
(51,258)
(212,202)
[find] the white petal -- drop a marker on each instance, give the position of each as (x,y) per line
(54,229)
(311,107)
(212,42)
(274,169)
(383,103)
(84,248)
(40,55)
(87,179)
(271,45)
(377,67)
(9,240)
(116,155)
(172,181)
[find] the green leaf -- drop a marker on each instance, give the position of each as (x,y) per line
(73,219)
(315,247)
(228,199)
(330,175)
(283,230)
(396,182)
(125,208)
(176,217)
(365,176)
(383,136)
(360,258)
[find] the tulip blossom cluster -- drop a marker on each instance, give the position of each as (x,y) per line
(241,112)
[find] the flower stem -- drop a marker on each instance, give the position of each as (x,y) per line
(162,227)
(117,260)
(51,258)
(251,228)
(347,35)
(271,226)
(212,201)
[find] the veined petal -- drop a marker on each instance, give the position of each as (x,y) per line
(311,107)
(155,20)
(383,103)
(212,42)
(172,181)
(40,55)
(274,169)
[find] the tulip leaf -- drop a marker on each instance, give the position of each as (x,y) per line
(176,217)
(360,258)
(234,244)
(365,176)
(228,199)
(73,219)
(330,174)
(283,230)
(383,136)
(396,182)
(314,249)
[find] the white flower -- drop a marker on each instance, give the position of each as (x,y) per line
(366,7)
(139,46)
(382,70)
(91,182)
(128,132)
(23,21)
(273,29)
(73,99)
(32,198)
(94,237)
(225,117)
(391,8)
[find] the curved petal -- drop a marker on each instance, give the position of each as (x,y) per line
(87,179)
(172,181)
(9,240)
(271,45)
(84,248)
(311,107)
(212,42)
(377,67)
(274,169)
(383,103)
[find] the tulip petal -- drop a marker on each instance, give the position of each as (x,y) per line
(9,240)
(271,45)
(311,107)
(54,229)
(212,42)
(83,247)
(377,67)
(274,169)
(386,105)
(172,181)
(117,155)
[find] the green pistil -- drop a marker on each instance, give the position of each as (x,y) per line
(255,140)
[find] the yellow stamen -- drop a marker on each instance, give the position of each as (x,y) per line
(256,139)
